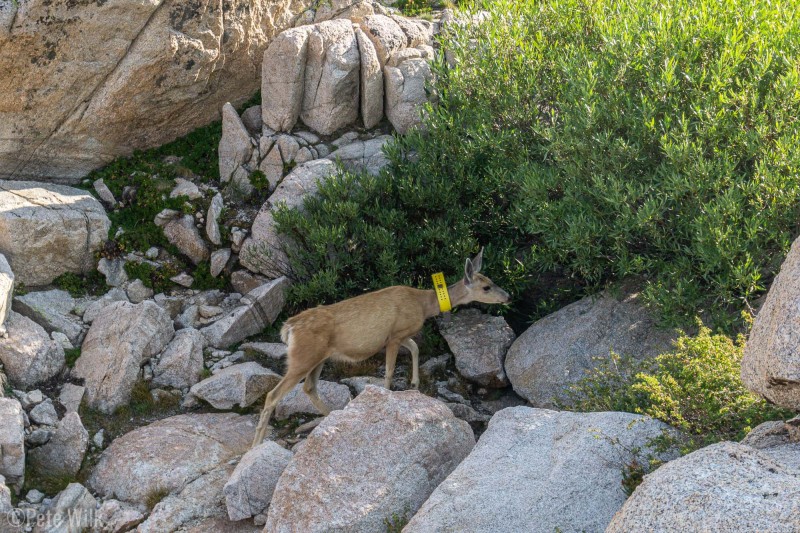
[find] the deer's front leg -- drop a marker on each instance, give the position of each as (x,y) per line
(414,349)
(391,358)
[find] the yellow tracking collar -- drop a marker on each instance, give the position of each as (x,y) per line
(440,287)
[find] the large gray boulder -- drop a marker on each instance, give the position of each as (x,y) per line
(166,68)
(53,311)
(263,250)
(240,385)
(330,93)
(386,35)
(29,354)
(61,457)
(6,292)
(723,487)
(380,456)
(181,363)
(479,343)
(46,229)
(167,455)
(558,350)
(406,94)
(283,79)
(771,363)
(118,344)
(540,470)
(12,442)
(259,308)
(250,487)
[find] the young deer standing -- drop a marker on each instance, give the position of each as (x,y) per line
(356,329)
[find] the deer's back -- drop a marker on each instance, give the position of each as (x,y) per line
(359,327)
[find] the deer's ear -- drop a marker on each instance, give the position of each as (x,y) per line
(476,263)
(469,271)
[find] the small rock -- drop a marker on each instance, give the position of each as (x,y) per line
(30,399)
(99,439)
(152,253)
(345,139)
(273,350)
(335,396)
(12,441)
(183,234)
(434,364)
(71,397)
(244,281)
(250,487)
(39,436)
(183,279)
(34,496)
(251,118)
(467,413)
(260,307)
(104,193)
(96,308)
(359,383)
(219,259)
(53,311)
(181,363)
(479,343)
(137,292)
(44,414)
(6,292)
(117,516)
(185,188)
(74,506)
(240,384)
(63,454)
(212,225)
(62,339)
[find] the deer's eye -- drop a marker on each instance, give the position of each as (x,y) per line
(487,289)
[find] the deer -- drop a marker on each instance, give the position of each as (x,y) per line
(355,329)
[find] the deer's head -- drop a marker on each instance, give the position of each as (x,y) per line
(479,287)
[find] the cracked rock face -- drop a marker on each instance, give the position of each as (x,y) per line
(47,230)
(120,341)
(382,455)
(173,62)
(772,354)
(169,454)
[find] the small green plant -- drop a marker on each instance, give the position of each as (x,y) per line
(396,522)
(157,279)
(696,388)
(92,283)
(154,497)
(71,355)
(203,280)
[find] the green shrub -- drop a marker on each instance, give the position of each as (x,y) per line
(586,142)
(92,283)
(696,388)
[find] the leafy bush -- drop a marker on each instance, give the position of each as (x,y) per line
(586,141)
(696,388)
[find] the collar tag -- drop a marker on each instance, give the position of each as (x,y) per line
(440,287)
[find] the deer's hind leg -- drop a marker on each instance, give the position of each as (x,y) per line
(304,360)
(310,388)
